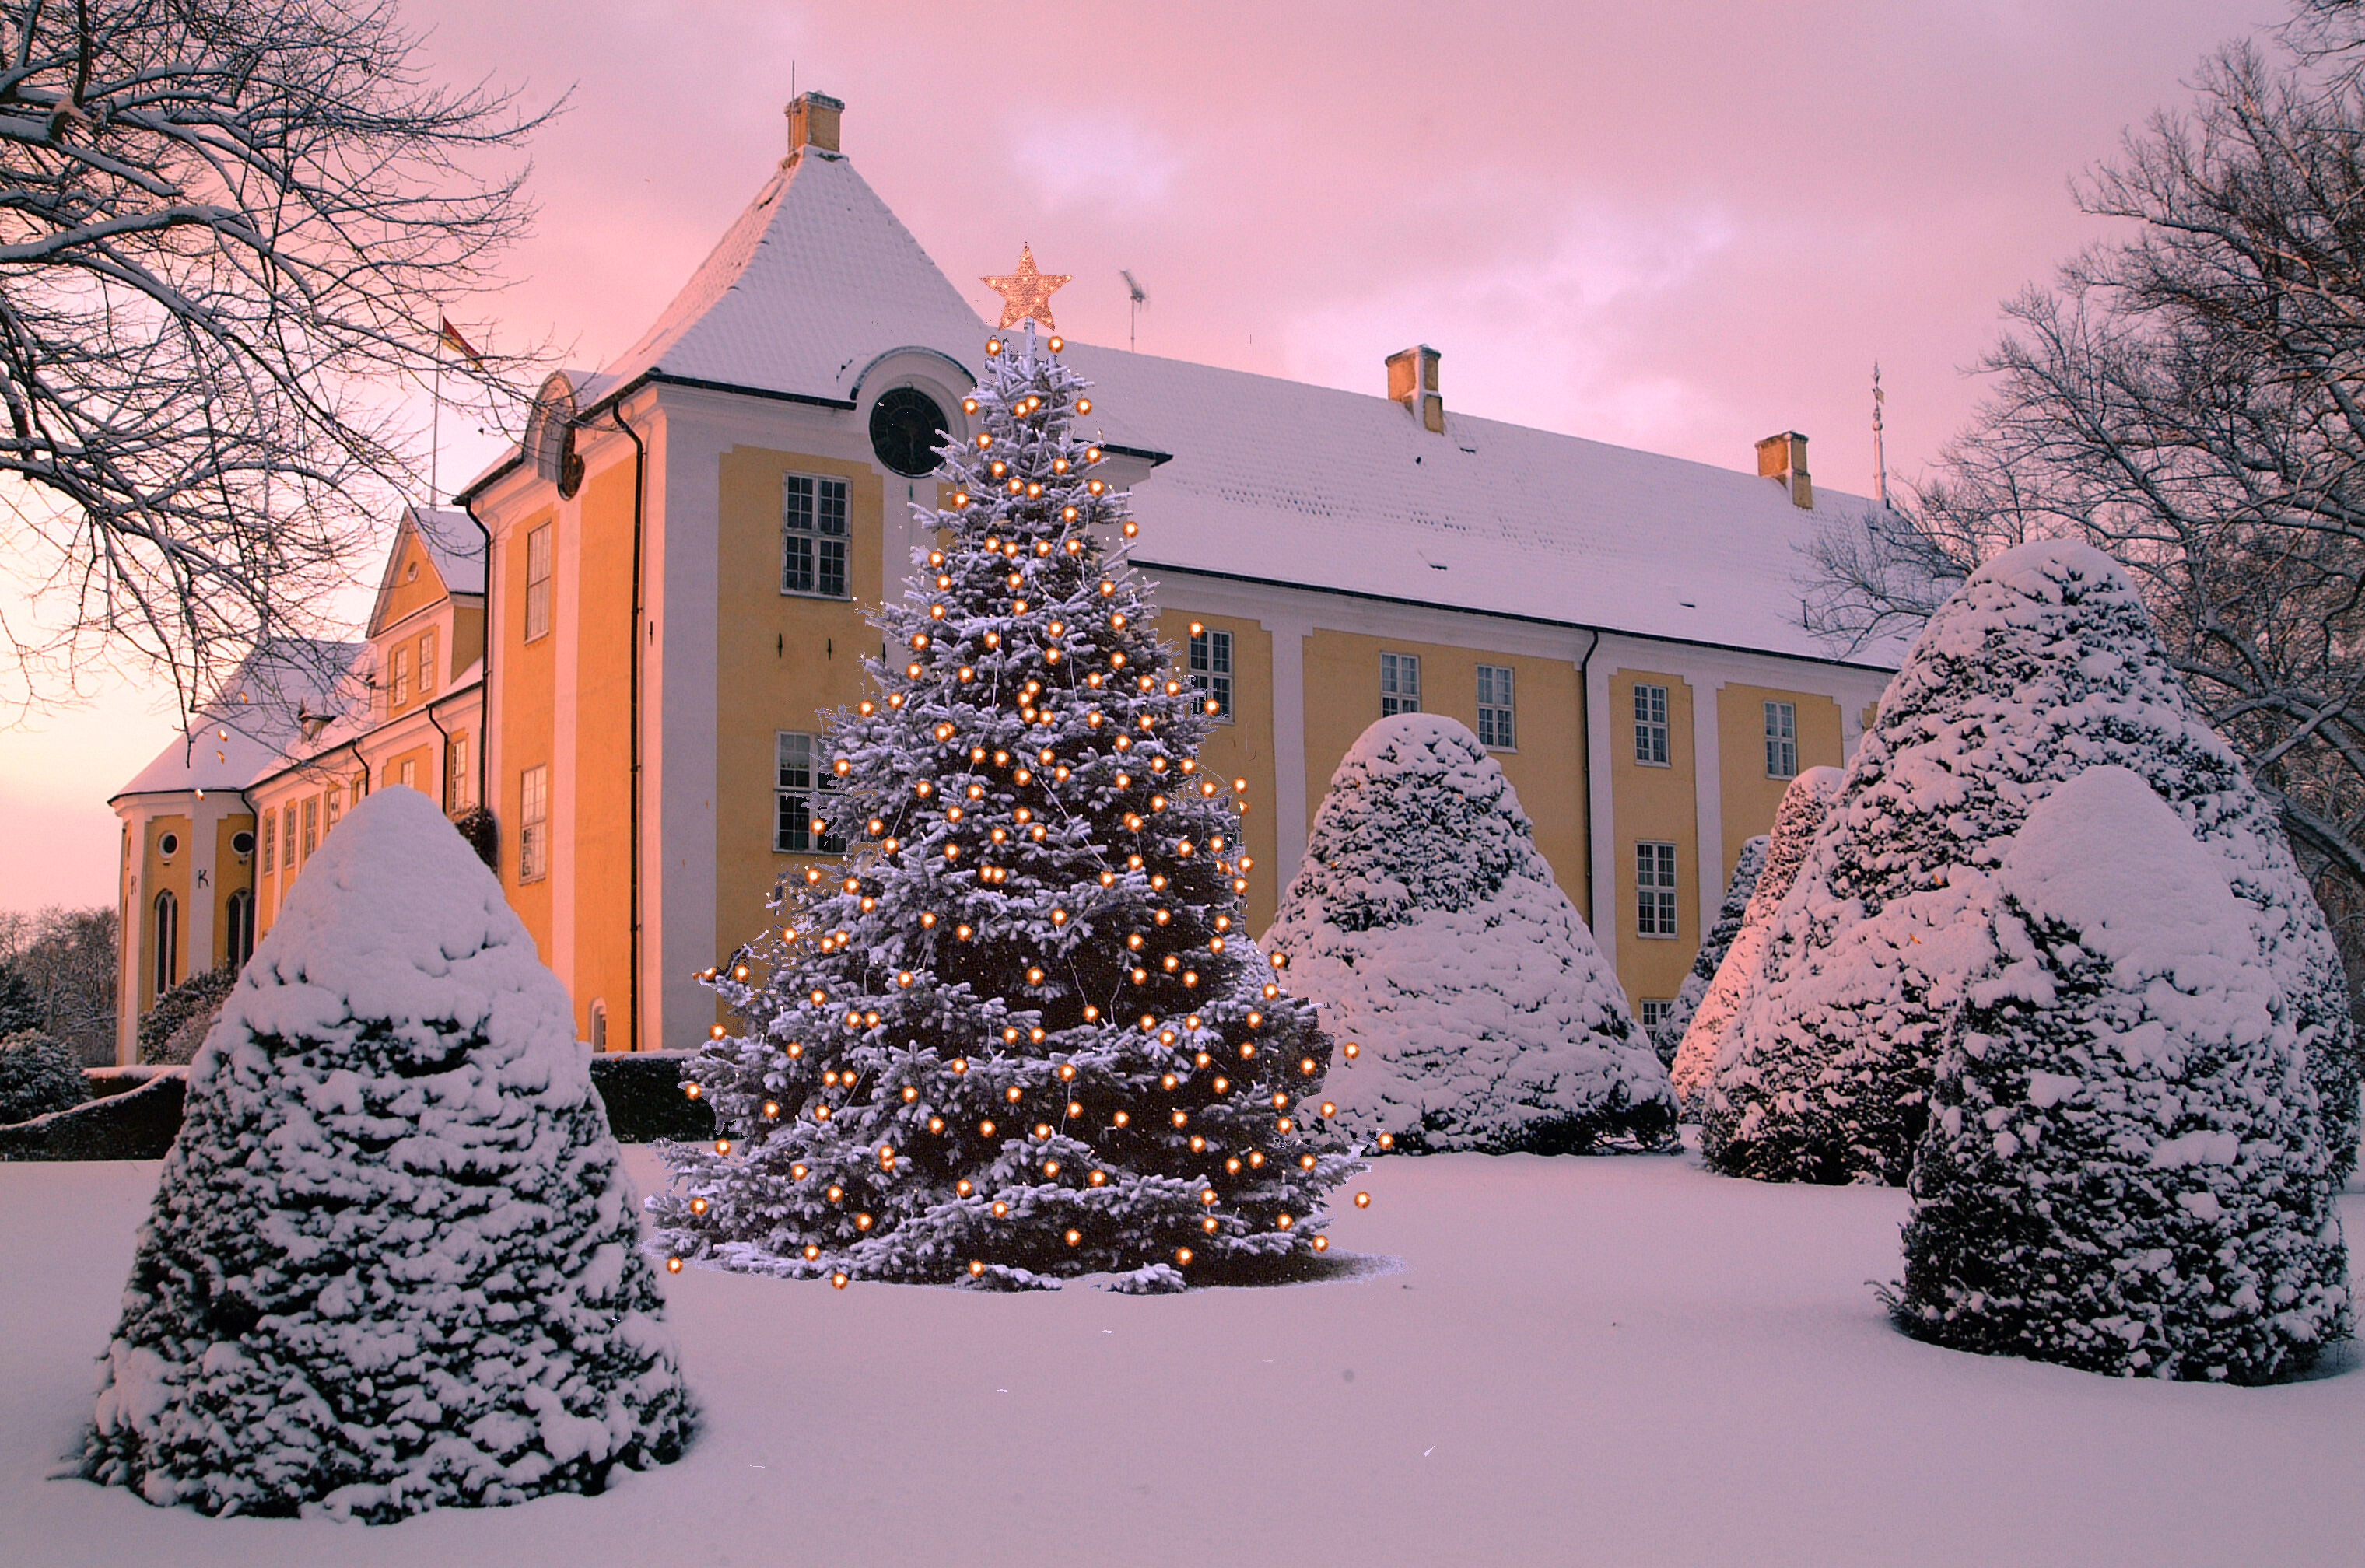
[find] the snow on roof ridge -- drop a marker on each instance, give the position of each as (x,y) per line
(228,743)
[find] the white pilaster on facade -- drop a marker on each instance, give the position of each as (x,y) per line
(567,654)
(682,655)
(1707,794)
(1602,829)
(1289,819)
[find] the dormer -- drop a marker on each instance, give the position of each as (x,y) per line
(428,625)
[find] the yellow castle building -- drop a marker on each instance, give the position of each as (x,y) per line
(623,640)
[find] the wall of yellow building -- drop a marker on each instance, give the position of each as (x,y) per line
(782,661)
(233,872)
(1342,700)
(1748,796)
(528,673)
(422,759)
(467,639)
(604,755)
(416,583)
(1242,748)
(157,875)
(1661,805)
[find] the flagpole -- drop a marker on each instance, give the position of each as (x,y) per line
(435,432)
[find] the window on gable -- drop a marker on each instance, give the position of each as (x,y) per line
(1651,725)
(812,535)
(1495,707)
(1399,684)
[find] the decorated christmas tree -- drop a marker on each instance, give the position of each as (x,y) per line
(1747,868)
(1020,1032)
(393,1264)
(1428,927)
(2122,1170)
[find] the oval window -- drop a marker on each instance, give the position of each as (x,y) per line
(241,843)
(906,426)
(169,846)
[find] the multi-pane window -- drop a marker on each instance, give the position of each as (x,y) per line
(1651,724)
(427,663)
(456,789)
(401,675)
(333,808)
(270,842)
(168,941)
(534,823)
(1494,707)
(311,825)
(1655,1011)
(408,773)
(1654,888)
(238,928)
(295,861)
(537,583)
(800,786)
(1211,668)
(1399,684)
(812,535)
(1781,740)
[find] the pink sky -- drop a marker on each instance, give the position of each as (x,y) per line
(1679,226)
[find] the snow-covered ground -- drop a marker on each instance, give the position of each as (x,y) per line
(1579,1360)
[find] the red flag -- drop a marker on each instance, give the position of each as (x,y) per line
(450,337)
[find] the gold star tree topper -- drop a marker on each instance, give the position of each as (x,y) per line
(1027,292)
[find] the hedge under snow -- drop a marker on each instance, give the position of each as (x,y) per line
(2042,666)
(1430,930)
(2121,1169)
(1708,1034)
(1747,868)
(393,1264)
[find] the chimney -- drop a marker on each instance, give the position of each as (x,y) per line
(1783,458)
(813,122)
(1412,381)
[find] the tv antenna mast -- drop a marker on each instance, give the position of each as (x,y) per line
(1879,457)
(1133,312)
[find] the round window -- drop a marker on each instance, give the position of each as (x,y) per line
(169,846)
(241,843)
(906,426)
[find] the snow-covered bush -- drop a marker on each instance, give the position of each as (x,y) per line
(2042,666)
(1708,1032)
(1747,868)
(393,1264)
(2121,1169)
(171,1032)
(38,1076)
(1430,930)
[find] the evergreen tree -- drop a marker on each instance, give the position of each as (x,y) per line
(393,1264)
(20,1004)
(1428,926)
(2042,666)
(38,1076)
(2121,1169)
(1747,868)
(1709,1033)
(1021,1032)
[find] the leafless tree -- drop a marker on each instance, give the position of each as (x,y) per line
(67,959)
(229,231)
(2190,398)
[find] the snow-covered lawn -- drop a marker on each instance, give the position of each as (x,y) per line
(1580,1360)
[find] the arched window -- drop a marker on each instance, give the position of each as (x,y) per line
(598,1026)
(167,941)
(238,941)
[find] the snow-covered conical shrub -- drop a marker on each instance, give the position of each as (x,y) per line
(1747,868)
(2122,1170)
(393,1264)
(2042,666)
(1430,930)
(1709,1030)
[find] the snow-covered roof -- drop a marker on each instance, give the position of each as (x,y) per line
(235,738)
(453,541)
(814,282)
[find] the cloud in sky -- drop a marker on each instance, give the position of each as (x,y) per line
(1681,226)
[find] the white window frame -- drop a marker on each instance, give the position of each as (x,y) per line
(1655,1010)
(398,691)
(427,663)
(458,796)
(164,911)
(268,861)
(1211,668)
(797,801)
(1656,911)
(1498,708)
(1781,740)
(534,823)
(1653,740)
(810,503)
(538,557)
(1399,684)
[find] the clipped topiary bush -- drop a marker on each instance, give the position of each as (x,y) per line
(38,1076)
(393,1264)
(1430,930)
(643,1093)
(1747,868)
(2123,1171)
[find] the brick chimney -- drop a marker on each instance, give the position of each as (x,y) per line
(1783,459)
(813,122)
(1412,381)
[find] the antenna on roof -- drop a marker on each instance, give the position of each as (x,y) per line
(1879,456)
(1133,313)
